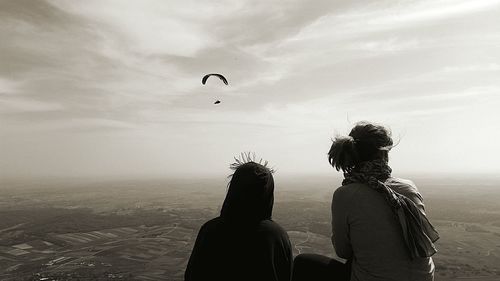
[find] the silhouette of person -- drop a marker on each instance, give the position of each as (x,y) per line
(243,242)
(378,221)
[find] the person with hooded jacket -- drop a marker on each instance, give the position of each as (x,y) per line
(243,242)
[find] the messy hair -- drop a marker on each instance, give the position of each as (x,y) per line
(366,141)
(247,157)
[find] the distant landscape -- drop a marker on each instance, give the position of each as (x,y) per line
(145,229)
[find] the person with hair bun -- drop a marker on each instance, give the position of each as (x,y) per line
(379,222)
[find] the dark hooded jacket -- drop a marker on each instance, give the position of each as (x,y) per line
(243,243)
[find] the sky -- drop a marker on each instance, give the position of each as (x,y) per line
(113,88)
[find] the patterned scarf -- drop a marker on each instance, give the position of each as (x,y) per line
(418,232)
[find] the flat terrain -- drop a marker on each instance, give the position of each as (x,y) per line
(144,230)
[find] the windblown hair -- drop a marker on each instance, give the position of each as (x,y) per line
(247,157)
(366,141)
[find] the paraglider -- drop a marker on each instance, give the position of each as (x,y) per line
(204,80)
(222,78)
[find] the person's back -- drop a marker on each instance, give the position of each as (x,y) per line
(378,222)
(374,235)
(226,252)
(243,243)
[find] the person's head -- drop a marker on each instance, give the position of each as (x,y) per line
(366,142)
(250,195)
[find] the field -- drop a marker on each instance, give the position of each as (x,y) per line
(144,230)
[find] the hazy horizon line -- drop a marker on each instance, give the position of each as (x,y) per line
(224,176)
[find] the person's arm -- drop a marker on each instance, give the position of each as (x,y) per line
(340,225)
(274,258)
(195,269)
(286,264)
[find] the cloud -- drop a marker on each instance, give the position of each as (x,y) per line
(21,105)
(127,71)
(380,16)
(425,11)
(89,124)
(59,60)
(473,68)
(388,45)
(153,27)
(7,86)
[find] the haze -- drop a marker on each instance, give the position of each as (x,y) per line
(113,88)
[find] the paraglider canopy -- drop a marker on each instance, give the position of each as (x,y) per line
(204,80)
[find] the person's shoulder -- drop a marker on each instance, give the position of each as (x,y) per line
(269,231)
(270,226)
(403,184)
(406,188)
(348,190)
(211,224)
(344,196)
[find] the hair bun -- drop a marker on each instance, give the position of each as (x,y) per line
(366,141)
(343,154)
(345,140)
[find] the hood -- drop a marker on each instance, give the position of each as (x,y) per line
(250,196)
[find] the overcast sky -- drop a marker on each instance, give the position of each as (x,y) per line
(97,88)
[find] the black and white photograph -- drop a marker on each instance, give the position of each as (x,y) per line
(246,140)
